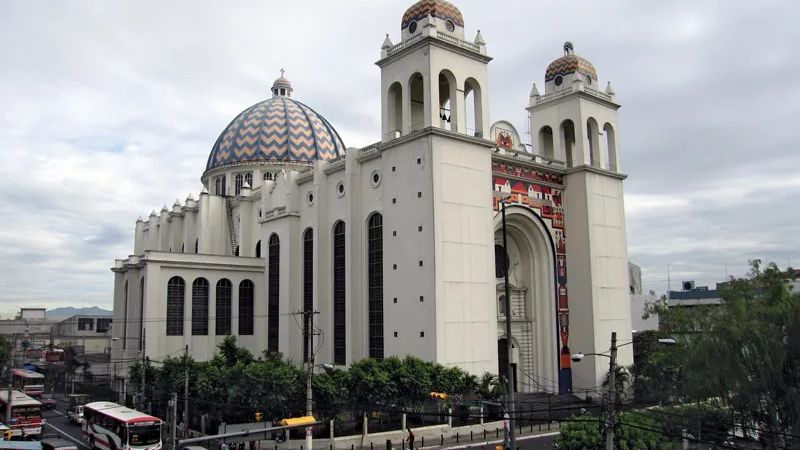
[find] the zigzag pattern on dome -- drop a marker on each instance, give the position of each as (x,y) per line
(279,129)
(569,64)
(436,8)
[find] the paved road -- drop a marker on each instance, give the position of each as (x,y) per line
(540,442)
(58,423)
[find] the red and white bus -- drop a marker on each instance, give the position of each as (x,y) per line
(28,381)
(109,426)
(26,414)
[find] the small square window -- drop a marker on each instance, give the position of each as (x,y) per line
(394,201)
(394,169)
(419,160)
(394,233)
(421,334)
(422,298)
(419,228)
(394,266)
(419,194)
(395,334)
(395,299)
(420,263)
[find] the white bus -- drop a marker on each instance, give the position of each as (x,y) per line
(28,381)
(26,414)
(109,426)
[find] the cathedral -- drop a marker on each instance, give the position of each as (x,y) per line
(301,246)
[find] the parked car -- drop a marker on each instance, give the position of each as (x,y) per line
(48,402)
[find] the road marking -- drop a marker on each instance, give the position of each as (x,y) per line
(66,435)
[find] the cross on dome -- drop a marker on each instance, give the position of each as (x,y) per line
(282,87)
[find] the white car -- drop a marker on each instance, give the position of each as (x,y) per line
(76,415)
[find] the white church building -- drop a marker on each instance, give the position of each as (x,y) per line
(393,246)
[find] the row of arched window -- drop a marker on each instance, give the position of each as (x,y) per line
(176,294)
(596,146)
(220,183)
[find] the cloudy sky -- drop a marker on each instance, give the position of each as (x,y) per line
(109,110)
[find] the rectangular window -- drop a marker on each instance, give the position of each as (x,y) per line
(224,307)
(103,324)
(375,284)
(85,324)
(246,294)
(175,293)
(273,295)
(308,291)
(200,307)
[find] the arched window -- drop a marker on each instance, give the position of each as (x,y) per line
(501,305)
(395,105)
(546,142)
(339,295)
(375,284)
(141,314)
(125,318)
(273,294)
(448,115)
(246,294)
(176,289)
(200,307)
(248,178)
(239,180)
(473,101)
(416,89)
(611,146)
(219,185)
(308,289)
(593,138)
(223,303)
(567,130)
(267,176)
(258,249)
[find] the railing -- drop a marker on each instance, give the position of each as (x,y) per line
(568,91)
(442,36)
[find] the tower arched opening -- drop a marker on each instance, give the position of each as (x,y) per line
(546,142)
(416,90)
(611,146)
(448,115)
(395,105)
(474,107)
(593,140)
(567,131)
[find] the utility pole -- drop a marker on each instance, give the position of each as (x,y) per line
(611,423)
(173,410)
(309,338)
(144,371)
(186,390)
(509,347)
(10,383)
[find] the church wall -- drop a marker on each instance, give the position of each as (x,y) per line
(407,199)
(464,248)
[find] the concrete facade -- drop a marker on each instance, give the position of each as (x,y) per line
(424,286)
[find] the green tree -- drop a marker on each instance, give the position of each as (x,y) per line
(5,352)
(638,431)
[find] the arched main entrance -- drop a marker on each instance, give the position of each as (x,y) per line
(531,263)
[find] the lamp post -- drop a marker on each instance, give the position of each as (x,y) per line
(612,420)
(503,196)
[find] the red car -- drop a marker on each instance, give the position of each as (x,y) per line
(48,402)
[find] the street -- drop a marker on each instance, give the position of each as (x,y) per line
(58,423)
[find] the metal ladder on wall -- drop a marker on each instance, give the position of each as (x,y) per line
(231,225)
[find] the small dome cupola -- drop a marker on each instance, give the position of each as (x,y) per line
(561,73)
(432,13)
(282,87)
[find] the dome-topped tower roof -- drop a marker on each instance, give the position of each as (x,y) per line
(279,129)
(436,8)
(568,64)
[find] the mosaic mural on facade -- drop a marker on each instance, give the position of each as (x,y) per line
(543,192)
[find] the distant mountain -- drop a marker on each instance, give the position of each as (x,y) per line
(69,311)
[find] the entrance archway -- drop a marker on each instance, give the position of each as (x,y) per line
(531,262)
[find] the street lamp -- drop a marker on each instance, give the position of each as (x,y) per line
(612,381)
(502,197)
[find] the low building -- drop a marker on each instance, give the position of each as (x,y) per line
(640,302)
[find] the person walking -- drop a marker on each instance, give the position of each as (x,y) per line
(410,439)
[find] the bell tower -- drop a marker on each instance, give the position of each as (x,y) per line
(574,124)
(435,192)
(434,77)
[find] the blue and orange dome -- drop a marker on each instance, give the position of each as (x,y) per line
(277,130)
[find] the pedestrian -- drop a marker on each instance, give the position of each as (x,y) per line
(410,439)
